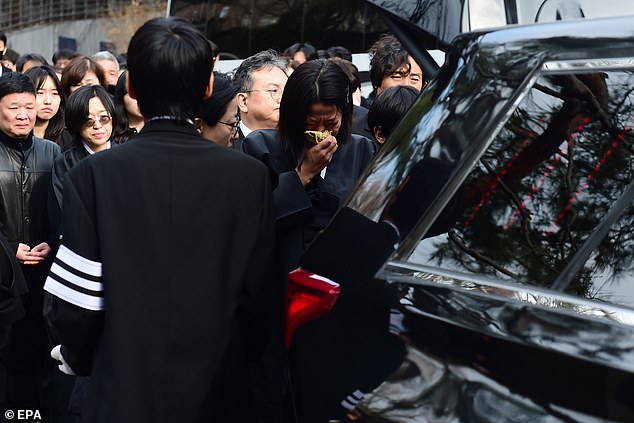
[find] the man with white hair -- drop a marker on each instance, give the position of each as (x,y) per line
(110,66)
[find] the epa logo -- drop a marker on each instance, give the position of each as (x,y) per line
(23,415)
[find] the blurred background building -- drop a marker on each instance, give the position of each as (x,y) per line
(85,26)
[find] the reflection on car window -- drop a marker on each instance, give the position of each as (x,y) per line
(543,186)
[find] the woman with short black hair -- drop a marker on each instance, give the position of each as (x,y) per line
(89,119)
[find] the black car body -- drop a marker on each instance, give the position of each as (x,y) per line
(498,225)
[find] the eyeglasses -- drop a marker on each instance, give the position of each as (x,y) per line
(235,125)
(103,120)
(275,93)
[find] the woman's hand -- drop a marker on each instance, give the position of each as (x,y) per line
(316,158)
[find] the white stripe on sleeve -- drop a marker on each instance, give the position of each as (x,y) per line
(76,279)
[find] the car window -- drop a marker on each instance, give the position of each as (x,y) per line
(546,184)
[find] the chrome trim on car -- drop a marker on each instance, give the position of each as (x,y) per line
(583,327)
(566,66)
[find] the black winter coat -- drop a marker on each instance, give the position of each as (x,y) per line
(25,177)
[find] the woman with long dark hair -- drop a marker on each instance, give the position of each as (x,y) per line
(315,161)
(313,178)
(50,103)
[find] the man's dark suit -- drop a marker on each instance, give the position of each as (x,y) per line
(168,237)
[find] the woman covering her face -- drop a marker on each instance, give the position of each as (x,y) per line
(314,161)
(89,119)
(313,176)
(50,103)
(219,118)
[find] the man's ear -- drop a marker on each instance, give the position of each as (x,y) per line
(241,99)
(129,88)
(378,134)
(210,87)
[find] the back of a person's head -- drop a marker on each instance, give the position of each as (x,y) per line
(11,55)
(310,53)
(76,69)
(169,68)
(3,38)
(316,81)
(351,71)
(30,57)
(213,108)
(387,54)
(267,59)
(77,108)
(390,106)
(15,83)
(63,54)
(339,51)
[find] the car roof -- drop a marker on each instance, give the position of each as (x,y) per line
(443,20)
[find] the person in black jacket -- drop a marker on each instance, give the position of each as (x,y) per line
(90,119)
(312,178)
(158,289)
(25,172)
(312,181)
(12,287)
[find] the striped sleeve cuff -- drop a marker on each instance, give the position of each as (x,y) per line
(351,401)
(76,279)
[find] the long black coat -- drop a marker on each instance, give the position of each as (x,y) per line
(157,290)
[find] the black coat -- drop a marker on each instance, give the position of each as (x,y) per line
(301,212)
(12,286)
(25,172)
(65,162)
(168,238)
(360,123)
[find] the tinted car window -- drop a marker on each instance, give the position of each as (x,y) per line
(244,27)
(546,183)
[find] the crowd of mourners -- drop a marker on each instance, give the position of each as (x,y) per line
(93,247)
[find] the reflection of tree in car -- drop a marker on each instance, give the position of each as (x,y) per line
(547,180)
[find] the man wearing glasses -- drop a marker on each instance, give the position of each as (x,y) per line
(260,79)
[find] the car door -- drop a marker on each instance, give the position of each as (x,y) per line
(501,211)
